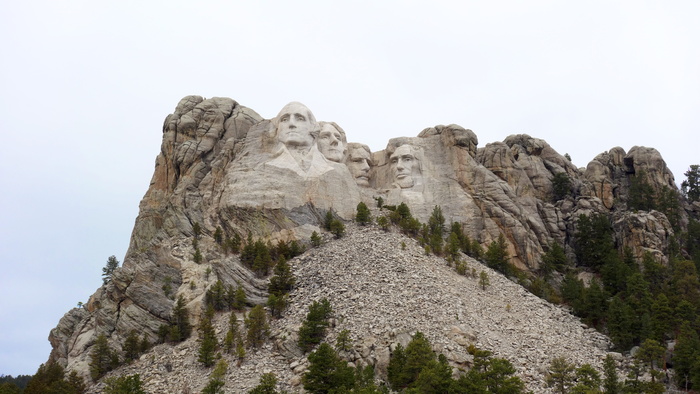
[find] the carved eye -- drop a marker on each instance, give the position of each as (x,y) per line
(285,118)
(300,117)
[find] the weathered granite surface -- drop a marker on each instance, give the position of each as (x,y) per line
(221,165)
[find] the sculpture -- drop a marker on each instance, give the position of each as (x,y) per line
(332,142)
(406,167)
(359,163)
(297,131)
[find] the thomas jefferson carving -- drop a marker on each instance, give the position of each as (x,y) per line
(332,142)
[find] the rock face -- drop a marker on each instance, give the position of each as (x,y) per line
(221,166)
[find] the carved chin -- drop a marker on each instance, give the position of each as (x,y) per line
(362,180)
(404,181)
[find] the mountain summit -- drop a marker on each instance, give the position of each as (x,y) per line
(226,178)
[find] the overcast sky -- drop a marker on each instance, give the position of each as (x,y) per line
(86,86)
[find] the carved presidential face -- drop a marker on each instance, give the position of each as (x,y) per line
(406,166)
(358,163)
(332,143)
(295,125)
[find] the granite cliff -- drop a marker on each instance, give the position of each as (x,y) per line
(222,166)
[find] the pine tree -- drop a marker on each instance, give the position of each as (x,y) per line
(691,186)
(313,328)
(327,372)
(239,298)
(337,228)
(497,256)
(484,280)
(661,317)
(131,346)
(102,358)
(257,329)
(180,322)
(561,186)
(553,260)
(232,334)
(216,379)
(130,384)
(611,384)
(397,364)
(207,339)
(560,375)
(587,380)
(267,385)
(419,354)
(315,239)
(685,354)
(593,240)
(328,220)
(109,268)
(435,377)
(282,280)
(363,216)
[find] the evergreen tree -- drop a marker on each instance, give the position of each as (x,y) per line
(233,334)
(327,372)
(560,375)
(180,328)
(436,230)
(561,186)
(435,377)
(497,256)
(595,304)
(313,328)
(48,379)
(397,364)
(207,339)
(216,379)
(661,317)
(282,280)
(383,223)
(419,354)
(131,346)
(256,326)
(102,358)
(641,194)
(611,384)
(553,260)
(109,268)
(620,323)
(593,240)
(483,280)
(343,342)
(315,239)
(685,354)
(276,304)
(328,220)
(587,380)
(216,296)
(691,186)
(363,216)
(267,385)
(337,228)
(130,384)
(650,354)
(239,298)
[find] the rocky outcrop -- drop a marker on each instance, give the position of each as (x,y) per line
(223,167)
(383,294)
